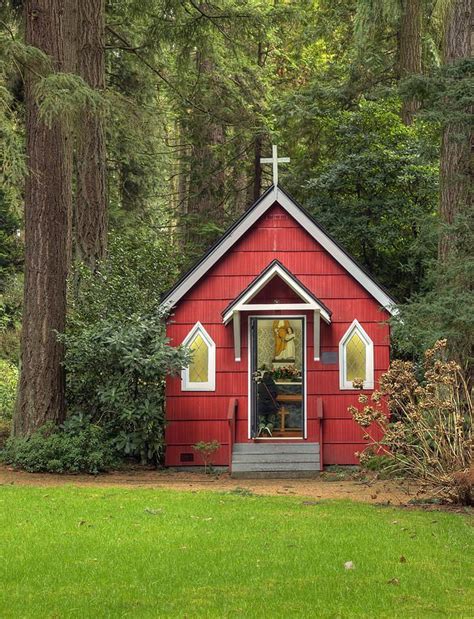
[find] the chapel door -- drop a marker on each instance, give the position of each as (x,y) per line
(277,379)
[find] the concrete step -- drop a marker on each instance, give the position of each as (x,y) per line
(278,457)
(300,459)
(275,448)
(251,467)
(276,475)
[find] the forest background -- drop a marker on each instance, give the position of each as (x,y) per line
(131,136)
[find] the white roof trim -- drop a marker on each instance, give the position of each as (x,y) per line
(274,195)
(261,282)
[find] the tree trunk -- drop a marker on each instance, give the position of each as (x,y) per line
(257,180)
(410,50)
(455,168)
(257,167)
(69,65)
(207,173)
(47,213)
(90,220)
(240,182)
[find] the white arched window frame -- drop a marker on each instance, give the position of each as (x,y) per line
(345,382)
(188,382)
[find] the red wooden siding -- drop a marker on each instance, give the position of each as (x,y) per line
(195,416)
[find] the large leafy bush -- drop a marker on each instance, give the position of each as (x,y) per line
(117,355)
(115,375)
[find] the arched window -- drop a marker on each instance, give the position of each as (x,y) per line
(356,358)
(200,375)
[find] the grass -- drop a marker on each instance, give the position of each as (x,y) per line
(79,552)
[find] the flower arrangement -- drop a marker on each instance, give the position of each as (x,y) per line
(287,373)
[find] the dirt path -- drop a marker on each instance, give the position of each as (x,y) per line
(328,486)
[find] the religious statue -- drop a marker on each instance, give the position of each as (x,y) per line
(284,340)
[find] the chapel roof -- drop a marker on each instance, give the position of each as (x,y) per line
(276,195)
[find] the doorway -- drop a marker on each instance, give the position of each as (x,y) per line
(277,377)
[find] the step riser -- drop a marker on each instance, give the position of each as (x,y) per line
(286,448)
(277,475)
(248,458)
(273,467)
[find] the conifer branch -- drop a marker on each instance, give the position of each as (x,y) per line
(157,72)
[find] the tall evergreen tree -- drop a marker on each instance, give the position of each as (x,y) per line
(409,46)
(455,168)
(90,213)
(47,220)
(394,29)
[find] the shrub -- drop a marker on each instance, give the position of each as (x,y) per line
(116,371)
(431,439)
(207,450)
(77,446)
(138,269)
(8,384)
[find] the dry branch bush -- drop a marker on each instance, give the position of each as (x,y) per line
(428,435)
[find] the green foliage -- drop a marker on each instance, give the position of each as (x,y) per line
(65,95)
(375,190)
(78,446)
(137,271)
(445,94)
(115,375)
(11,259)
(15,51)
(10,245)
(11,300)
(117,355)
(207,449)
(11,255)
(442,310)
(8,385)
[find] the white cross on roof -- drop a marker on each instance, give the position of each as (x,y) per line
(274,160)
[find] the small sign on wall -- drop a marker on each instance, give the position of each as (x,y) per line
(328,358)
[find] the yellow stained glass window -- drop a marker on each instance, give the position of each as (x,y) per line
(199,366)
(356,355)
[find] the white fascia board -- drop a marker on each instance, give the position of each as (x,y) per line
(272,307)
(337,253)
(195,275)
(276,271)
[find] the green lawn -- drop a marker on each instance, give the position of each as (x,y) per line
(79,552)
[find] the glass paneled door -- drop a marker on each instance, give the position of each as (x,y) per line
(277,377)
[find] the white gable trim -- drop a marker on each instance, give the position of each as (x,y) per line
(274,195)
(337,253)
(261,282)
